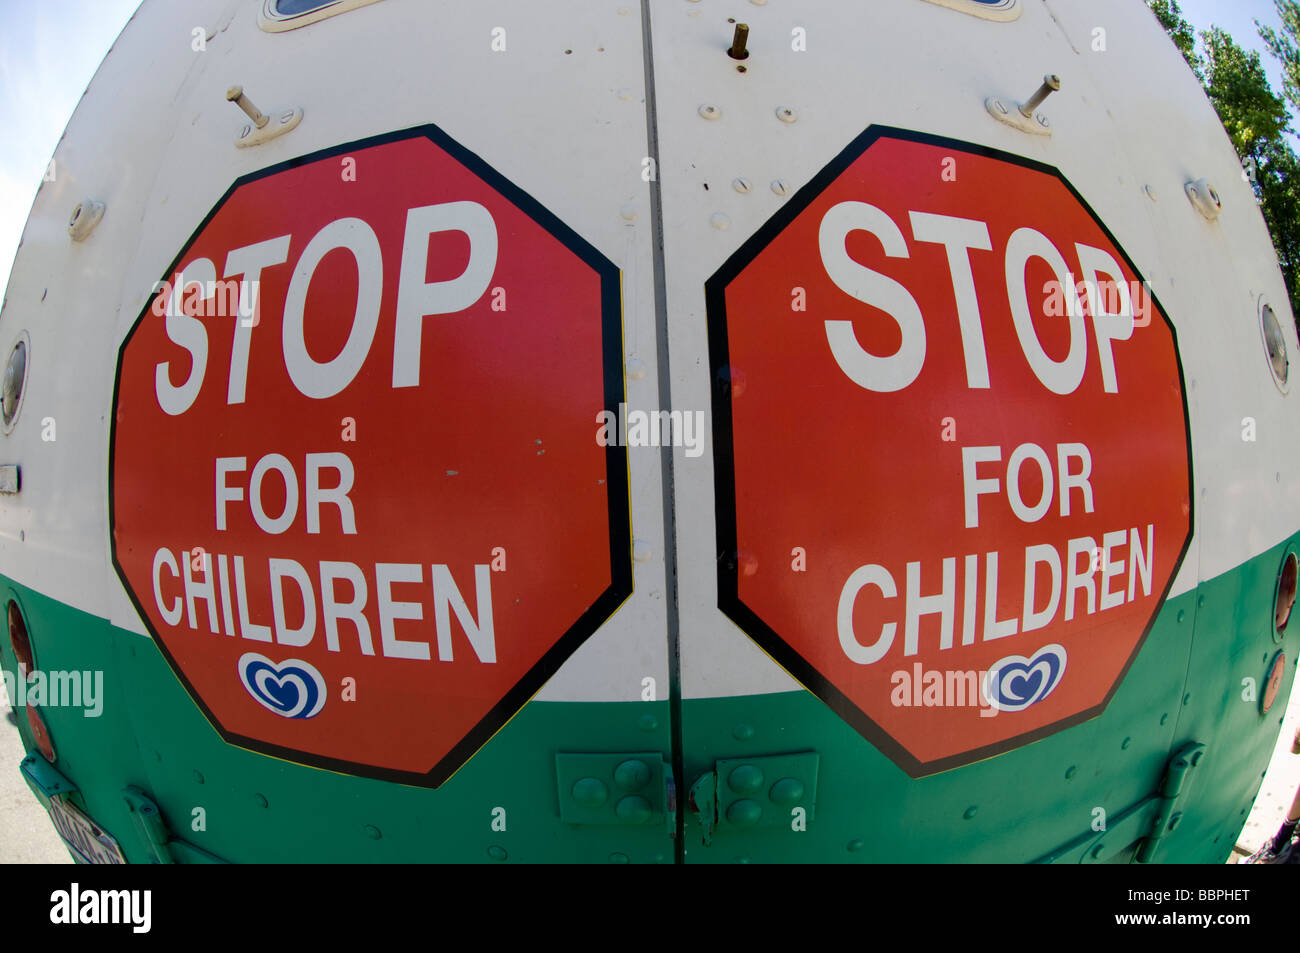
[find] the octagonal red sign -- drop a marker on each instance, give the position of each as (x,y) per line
(355,487)
(951,450)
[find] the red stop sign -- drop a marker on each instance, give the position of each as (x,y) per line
(951,448)
(356,491)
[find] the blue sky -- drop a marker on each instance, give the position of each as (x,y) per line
(49,50)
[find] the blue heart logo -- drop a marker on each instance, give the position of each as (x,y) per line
(292,688)
(1015,682)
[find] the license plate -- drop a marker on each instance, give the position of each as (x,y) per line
(89,843)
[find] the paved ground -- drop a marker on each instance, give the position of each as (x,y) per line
(26,834)
(27,837)
(1279,785)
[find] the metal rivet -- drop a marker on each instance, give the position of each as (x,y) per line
(1164,718)
(1126,742)
(641,551)
(635,369)
(286,116)
(1187,699)
(971,811)
(738,51)
(1200,601)
(740,185)
(1151,193)
(497,853)
(720,220)
(647,723)
(855,845)
(260,800)
(709,111)
(745,812)
(590,792)
(618,858)
(1070,772)
(373,832)
(1098,851)
(632,775)
(628,213)
(634,809)
(745,779)
(198,777)
(779,186)
(786,114)
(1051,83)
(235,94)
(787,792)
(1181,615)
(742,732)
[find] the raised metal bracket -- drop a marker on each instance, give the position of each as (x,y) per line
(770,792)
(284,120)
(45,780)
(1010,114)
(626,789)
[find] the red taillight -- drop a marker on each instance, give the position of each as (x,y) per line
(41,734)
(21,644)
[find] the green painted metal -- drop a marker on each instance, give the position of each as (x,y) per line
(1188,685)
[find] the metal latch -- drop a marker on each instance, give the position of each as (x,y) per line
(633,789)
(751,793)
(166,848)
(1171,789)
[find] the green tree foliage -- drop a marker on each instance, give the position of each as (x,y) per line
(1256,119)
(1234,79)
(1179,30)
(1283,46)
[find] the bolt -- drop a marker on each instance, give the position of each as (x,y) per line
(286,117)
(1001,107)
(235,94)
(738,51)
(1051,83)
